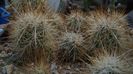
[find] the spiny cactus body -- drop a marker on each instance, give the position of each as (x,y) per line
(34,35)
(107,30)
(111,64)
(76,21)
(41,68)
(25,5)
(70,47)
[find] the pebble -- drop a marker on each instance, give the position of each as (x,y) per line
(10,69)
(54,69)
(3,54)
(1,31)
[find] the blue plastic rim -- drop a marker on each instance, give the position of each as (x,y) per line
(4,16)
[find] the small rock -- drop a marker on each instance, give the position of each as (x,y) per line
(1,48)
(3,54)
(77,69)
(2,62)
(68,67)
(54,69)
(67,72)
(10,69)
(1,31)
(7,49)
(9,54)
(4,71)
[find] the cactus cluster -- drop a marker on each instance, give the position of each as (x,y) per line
(71,41)
(38,35)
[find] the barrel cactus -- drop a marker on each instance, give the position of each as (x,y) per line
(25,5)
(111,64)
(70,47)
(107,30)
(76,21)
(34,36)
